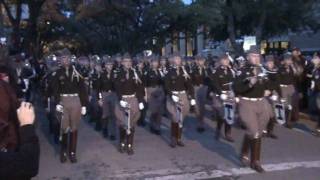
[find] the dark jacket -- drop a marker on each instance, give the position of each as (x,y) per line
(8,117)
(23,164)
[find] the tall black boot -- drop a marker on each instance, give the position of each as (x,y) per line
(200,128)
(289,119)
(63,148)
(152,123)
(218,129)
(98,125)
(255,155)
(122,141)
(105,130)
(244,156)
(179,138)
(317,129)
(142,121)
(130,142)
(270,128)
(174,134)
(73,146)
(227,132)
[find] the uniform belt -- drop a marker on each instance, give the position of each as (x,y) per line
(178,92)
(107,91)
(69,95)
(128,96)
(225,92)
(155,86)
(283,85)
(251,99)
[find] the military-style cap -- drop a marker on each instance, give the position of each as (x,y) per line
(83,60)
(154,58)
(199,57)
(175,54)
(269,58)
(223,56)
(254,50)
(138,59)
(96,58)
(126,56)
(63,53)
(295,49)
(287,56)
(107,59)
(163,58)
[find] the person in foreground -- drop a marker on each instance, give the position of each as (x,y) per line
(22,164)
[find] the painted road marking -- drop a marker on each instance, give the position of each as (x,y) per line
(197,173)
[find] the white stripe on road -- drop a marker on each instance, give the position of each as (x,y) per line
(177,174)
(240,171)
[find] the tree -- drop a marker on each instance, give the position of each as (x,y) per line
(14,19)
(265,18)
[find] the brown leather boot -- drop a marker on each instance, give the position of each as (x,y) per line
(244,156)
(255,155)
(63,148)
(73,146)
(130,142)
(179,137)
(227,132)
(174,134)
(122,141)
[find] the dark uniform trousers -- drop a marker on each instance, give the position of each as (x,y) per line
(155,98)
(109,100)
(95,110)
(218,108)
(201,99)
(317,97)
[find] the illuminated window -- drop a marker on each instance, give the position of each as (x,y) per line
(284,45)
(270,44)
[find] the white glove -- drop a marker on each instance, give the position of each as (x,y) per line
(274,98)
(175,98)
(267,93)
(59,108)
(83,111)
(123,104)
(193,102)
(313,84)
(231,94)
(141,106)
(223,97)
(100,95)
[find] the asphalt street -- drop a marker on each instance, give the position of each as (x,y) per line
(294,156)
